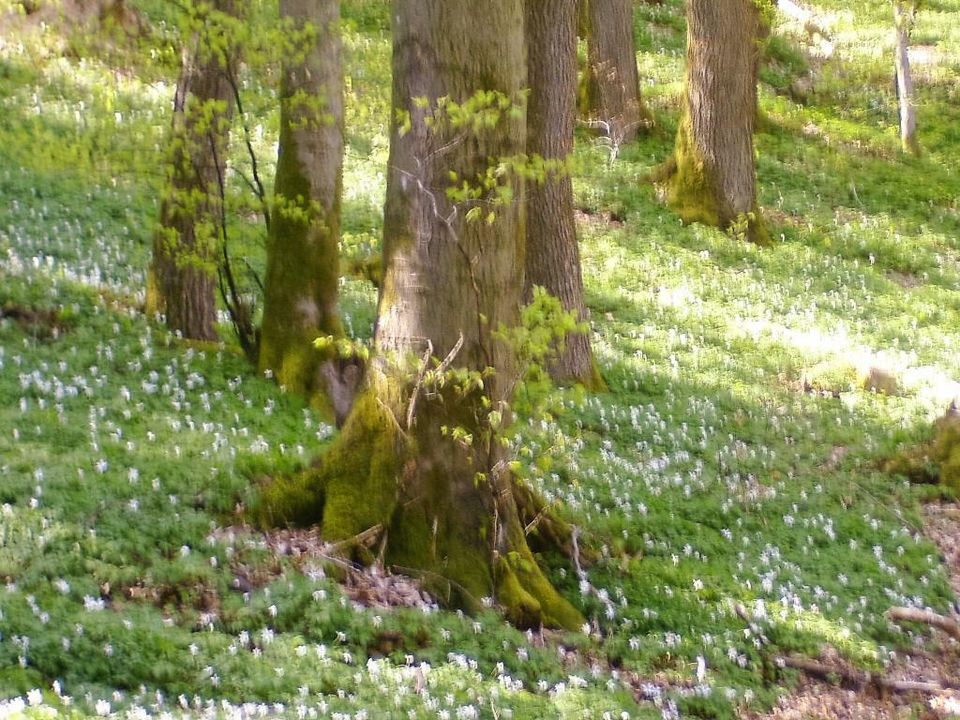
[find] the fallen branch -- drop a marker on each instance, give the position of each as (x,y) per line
(860,679)
(948,625)
(367,536)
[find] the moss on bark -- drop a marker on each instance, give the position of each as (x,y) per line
(936,461)
(714,178)
(528,598)
(360,473)
(691,192)
(303,268)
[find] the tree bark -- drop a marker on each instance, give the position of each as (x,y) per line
(903,20)
(418,456)
(552,254)
(714,180)
(613,86)
(182,277)
(303,270)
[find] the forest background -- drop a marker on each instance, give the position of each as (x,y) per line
(728,485)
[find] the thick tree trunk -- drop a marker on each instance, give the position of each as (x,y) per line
(903,19)
(182,278)
(417,457)
(303,270)
(613,86)
(553,257)
(714,182)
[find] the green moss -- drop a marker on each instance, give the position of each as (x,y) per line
(595,383)
(841,375)
(830,376)
(361,471)
(946,450)
(528,598)
(153,303)
(455,569)
(296,500)
(694,196)
(355,487)
(303,273)
(936,461)
(691,193)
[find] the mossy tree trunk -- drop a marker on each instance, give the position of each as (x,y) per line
(613,97)
(903,13)
(715,180)
(552,253)
(418,458)
(182,277)
(303,269)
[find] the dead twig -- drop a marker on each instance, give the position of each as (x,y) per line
(424,364)
(442,368)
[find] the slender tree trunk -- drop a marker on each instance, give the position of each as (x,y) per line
(303,269)
(182,278)
(613,85)
(903,19)
(714,182)
(553,256)
(417,459)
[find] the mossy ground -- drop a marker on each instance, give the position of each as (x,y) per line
(703,477)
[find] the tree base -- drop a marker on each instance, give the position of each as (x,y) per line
(693,198)
(465,541)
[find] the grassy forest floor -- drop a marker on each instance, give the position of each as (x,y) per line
(729,478)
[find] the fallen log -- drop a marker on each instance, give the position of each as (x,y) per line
(946,624)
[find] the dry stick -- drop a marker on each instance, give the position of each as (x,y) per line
(442,368)
(574,539)
(424,364)
(531,526)
(948,625)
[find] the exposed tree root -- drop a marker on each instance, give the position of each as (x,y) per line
(544,530)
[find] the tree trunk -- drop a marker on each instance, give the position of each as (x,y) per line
(714,180)
(903,19)
(182,278)
(418,457)
(303,270)
(553,256)
(613,86)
